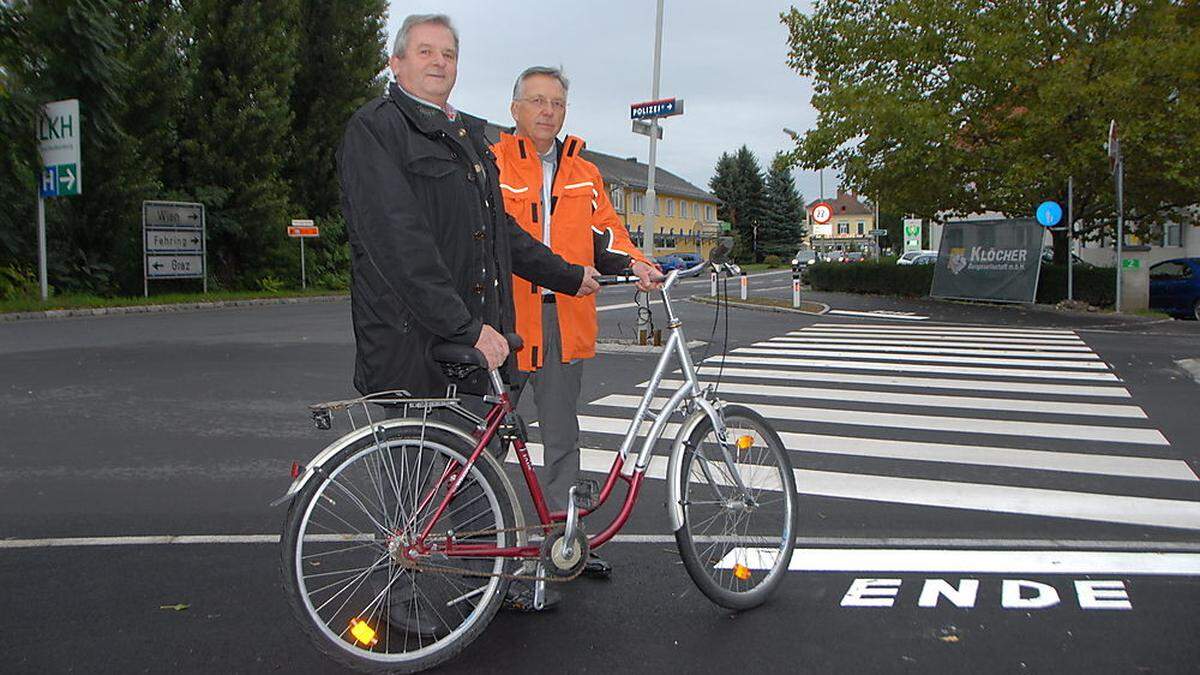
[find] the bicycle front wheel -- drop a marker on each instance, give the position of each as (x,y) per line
(738,528)
(349,583)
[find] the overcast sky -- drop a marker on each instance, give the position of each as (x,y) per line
(727,60)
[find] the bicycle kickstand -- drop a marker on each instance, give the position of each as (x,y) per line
(539,588)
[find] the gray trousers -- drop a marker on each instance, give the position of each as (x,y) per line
(556,387)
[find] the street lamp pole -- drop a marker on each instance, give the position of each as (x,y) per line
(651,195)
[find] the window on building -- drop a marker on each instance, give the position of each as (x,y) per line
(708,213)
(1171,235)
(843,228)
(618,199)
(670,207)
(861,228)
(638,203)
(682,209)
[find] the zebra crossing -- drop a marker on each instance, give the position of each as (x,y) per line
(1017,421)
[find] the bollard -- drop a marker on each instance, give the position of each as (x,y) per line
(712,281)
(745,285)
(795,291)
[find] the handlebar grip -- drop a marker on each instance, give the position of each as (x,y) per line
(514,341)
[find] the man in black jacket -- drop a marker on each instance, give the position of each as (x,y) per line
(432,249)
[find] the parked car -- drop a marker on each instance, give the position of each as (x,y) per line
(690,263)
(668,262)
(925,258)
(802,260)
(1048,257)
(855,257)
(908,257)
(1175,287)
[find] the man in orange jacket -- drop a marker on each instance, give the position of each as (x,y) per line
(559,197)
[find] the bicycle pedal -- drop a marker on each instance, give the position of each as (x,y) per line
(587,493)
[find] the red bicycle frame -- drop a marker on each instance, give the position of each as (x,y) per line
(501,412)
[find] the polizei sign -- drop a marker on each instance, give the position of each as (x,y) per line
(995,260)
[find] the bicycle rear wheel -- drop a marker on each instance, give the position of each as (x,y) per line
(736,543)
(347,581)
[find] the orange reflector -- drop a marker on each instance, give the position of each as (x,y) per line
(362,632)
(744,442)
(739,570)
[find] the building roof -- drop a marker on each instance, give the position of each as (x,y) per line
(628,172)
(845,204)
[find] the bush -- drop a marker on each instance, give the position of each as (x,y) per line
(910,281)
(1093,285)
(18,283)
(772,261)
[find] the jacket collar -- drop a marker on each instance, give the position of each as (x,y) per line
(523,149)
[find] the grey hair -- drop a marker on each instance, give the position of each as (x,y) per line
(401,43)
(556,73)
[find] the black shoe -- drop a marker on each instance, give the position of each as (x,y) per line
(520,597)
(402,617)
(597,567)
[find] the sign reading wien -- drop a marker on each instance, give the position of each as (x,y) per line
(997,260)
(173,242)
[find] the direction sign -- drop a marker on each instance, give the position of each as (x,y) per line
(180,266)
(173,214)
(173,240)
(1049,213)
(664,107)
(58,134)
(303,232)
(878,232)
(822,212)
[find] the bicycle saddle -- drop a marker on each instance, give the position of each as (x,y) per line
(459,360)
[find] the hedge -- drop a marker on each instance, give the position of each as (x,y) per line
(1093,285)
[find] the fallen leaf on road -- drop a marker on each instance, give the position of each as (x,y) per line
(178,608)
(949,638)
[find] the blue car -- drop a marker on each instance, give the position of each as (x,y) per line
(1175,287)
(668,262)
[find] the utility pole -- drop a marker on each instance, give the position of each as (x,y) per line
(1070,237)
(643,323)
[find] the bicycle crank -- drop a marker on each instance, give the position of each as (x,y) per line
(564,557)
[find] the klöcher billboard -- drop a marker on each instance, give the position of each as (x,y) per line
(996,260)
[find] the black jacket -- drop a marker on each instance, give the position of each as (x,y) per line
(432,250)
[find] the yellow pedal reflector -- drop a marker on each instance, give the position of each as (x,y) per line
(363,632)
(744,442)
(739,570)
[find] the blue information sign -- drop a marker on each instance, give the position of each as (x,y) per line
(1049,213)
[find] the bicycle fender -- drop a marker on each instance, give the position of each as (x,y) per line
(318,461)
(675,464)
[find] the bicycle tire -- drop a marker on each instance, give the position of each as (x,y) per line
(348,652)
(715,566)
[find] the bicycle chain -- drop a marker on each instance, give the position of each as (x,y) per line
(438,569)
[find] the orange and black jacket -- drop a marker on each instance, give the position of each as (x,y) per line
(584,230)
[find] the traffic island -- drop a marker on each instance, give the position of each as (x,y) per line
(767,304)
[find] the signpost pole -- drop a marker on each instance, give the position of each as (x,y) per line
(1120,226)
(1070,237)
(651,195)
(303,274)
(41,235)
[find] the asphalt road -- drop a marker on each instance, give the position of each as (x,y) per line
(1022,450)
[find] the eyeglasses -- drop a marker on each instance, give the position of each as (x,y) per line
(557,104)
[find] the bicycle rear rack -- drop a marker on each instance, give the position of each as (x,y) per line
(322,413)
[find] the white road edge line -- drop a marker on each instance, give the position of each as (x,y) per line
(971,562)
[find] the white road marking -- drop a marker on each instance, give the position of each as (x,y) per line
(874,315)
(931,400)
(958,425)
(623,305)
(1037,460)
(911,331)
(786,347)
(973,343)
(942,561)
(1043,374)
(935,328)
(920,358)
(709,373)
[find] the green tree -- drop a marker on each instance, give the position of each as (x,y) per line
(971,105)
(738,183)
(783,212)
(236,130)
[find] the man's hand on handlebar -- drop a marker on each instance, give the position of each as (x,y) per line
(649,278)
(493,345)
(591,282)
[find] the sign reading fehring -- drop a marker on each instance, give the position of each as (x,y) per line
(997,260)
(173,242)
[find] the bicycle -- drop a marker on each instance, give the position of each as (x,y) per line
(403,535)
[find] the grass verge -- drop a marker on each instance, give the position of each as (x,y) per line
(96,301)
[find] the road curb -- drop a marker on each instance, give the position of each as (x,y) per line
(819,308)
(165,308)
